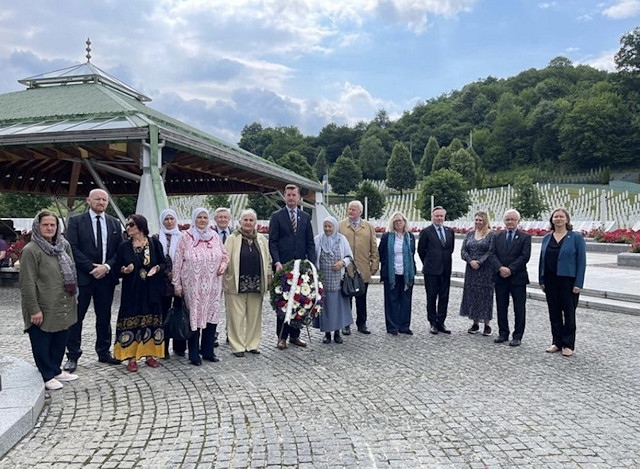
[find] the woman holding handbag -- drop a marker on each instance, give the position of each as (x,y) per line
(334,254)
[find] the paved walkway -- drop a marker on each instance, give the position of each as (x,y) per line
(375,401)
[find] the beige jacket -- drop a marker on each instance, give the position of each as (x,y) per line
(364,246)
(232,274)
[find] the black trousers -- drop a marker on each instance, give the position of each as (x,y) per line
(562,303)
(202,347)
(519,295)
(102,293)
(179,346)
(285,331)
(397,305)
(437,287)
(361,308)
(48,350)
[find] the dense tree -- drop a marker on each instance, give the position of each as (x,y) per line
(401,173)
(528,200)
(627,59)
(297,163)
(373,158)
(428,156)
(23,205)
(448,189)
(254,139)
(214,201)
(334,139)
(321,166)
(375,201)
(263,206)
(442,159)
(345,175)
(464,163)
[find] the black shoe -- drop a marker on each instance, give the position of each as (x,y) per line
(197,362)
(487,331)
(433,329)
(392,332)
(364,329)
(408,332)
(212,358)
(216,344)
(443,329)
(337,338)
(109,359)
(180,353)
(474,329)
(347,330)
(239,354)
(500,339)
(71,365)
(327,338)
(515,342)
(255,351)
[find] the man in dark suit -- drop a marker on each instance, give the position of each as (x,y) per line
(290,237)
(435,248)
(94,237)
(513,250)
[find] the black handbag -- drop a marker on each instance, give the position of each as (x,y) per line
(176,323)
(352,286)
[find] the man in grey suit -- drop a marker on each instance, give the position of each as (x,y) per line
(290,237)
(94,237)
(513,250)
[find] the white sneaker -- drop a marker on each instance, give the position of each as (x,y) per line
(66,376)
(53,385)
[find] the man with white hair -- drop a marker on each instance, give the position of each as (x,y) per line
(362,238)
(512,252)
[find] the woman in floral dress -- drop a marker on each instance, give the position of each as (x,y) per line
(477,296)
(200,261)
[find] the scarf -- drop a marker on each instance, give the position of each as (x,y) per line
(250,236)
(408,268)
(328,244)
(200,235)
(174,233)
(59,249)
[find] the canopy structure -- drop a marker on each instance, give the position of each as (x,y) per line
(79,128)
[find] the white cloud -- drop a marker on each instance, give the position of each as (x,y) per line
(604,61)
(622,9)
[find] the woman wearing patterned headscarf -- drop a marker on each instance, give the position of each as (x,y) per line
(334,254)
(48,286)
(169,236)
(200,261)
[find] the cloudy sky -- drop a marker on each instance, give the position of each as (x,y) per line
(222,64)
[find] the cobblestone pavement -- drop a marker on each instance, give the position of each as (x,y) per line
(375,401)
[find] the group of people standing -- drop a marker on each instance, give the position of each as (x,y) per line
(496,264)
(60,277)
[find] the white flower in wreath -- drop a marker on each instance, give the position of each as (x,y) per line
(285,295)
(305,278)
(297,290)
(308,306)
(278,290)
(305,290)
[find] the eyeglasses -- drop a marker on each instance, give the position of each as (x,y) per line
(130,224)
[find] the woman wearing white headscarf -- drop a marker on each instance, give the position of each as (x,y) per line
(48,286)
(200,261)
(169,237)
(333,254)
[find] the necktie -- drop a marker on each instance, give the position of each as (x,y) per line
(294,221)
(224,236)
(442,238)
(99,236)
(509,238)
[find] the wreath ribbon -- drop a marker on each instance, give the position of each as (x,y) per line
(294,283)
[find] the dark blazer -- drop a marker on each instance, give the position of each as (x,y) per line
(436,258)
(515,258)
(284,244)
(83,244)
(383,252)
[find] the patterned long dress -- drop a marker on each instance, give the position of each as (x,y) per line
(195,270)
(336,313)
(477,296)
